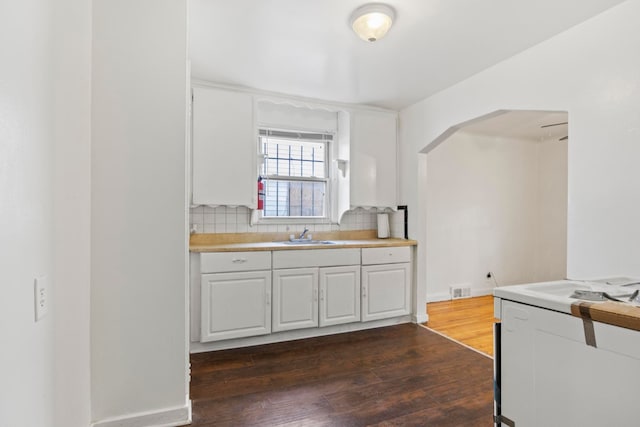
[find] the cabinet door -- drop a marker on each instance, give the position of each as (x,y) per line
(295,299)
(224,148)
(235,305)
(373,159)
(386,291)
(339,295)
(550,376)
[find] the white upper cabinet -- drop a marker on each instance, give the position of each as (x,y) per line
(373,159)
(224,148)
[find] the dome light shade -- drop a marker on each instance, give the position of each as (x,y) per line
(372,21)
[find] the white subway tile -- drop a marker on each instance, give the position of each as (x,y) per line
(242,218)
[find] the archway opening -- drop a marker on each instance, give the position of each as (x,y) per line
(496,204)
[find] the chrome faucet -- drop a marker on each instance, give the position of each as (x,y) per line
(303,233)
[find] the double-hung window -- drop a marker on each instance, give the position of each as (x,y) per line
(295,173)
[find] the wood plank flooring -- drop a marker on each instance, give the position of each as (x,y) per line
(403,375)
(468,320)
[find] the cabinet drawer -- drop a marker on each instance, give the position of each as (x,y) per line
(386,255)
(315,258)
(219,262)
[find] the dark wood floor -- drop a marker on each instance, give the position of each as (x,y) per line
(401,375)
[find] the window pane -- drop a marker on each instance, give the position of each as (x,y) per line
(294,198)
(294,158)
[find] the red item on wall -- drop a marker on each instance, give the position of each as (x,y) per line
(260,193)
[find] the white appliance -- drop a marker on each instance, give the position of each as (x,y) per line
(548,373)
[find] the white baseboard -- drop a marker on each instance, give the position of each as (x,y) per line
(169,417)
(437,297)
(481,292)
(420,318)
(445,296)
(197,347)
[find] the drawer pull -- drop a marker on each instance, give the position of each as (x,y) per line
(239,260)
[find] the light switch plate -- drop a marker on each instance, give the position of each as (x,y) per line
(41,296)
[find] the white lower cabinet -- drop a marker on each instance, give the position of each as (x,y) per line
(295,299)
(386,288)
(339,295)
(550,376)
(312,297)
(245,294)
(235,305)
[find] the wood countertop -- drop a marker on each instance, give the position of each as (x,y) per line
(612,313)
(246,242)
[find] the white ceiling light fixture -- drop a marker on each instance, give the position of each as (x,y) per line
(372,21)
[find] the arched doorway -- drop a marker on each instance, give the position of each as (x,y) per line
(496,204)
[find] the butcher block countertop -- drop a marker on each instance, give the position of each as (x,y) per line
(245,242)
(613,313)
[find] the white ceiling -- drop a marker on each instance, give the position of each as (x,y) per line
(306,47)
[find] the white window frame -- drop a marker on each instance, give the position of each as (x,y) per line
(329,140)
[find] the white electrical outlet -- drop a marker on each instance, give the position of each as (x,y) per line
(41,296)
(490,280)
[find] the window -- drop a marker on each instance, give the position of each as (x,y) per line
(295,173)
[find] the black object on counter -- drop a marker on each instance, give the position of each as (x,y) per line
(406,220)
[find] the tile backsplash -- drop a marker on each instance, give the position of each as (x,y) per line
(223,219)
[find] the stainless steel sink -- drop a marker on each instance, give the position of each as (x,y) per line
(308,242)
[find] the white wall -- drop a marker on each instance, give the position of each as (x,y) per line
(26,226)
(485,209)
(139,224)
(71,72)
(44,199)
(44,211)
(593,72)
(551,242)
